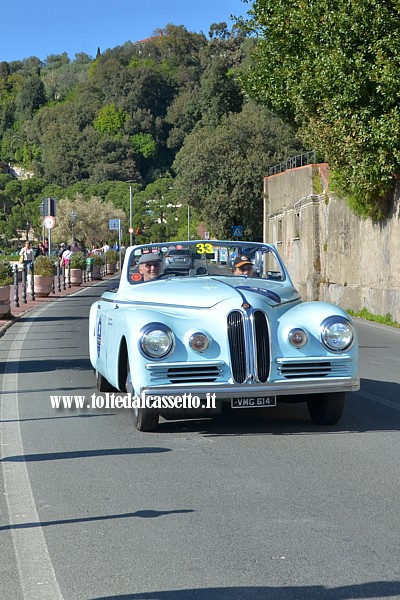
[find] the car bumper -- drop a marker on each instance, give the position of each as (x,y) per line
(225,391)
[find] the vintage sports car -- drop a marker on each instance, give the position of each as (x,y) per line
(246,337)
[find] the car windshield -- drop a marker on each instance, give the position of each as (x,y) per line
(207,258)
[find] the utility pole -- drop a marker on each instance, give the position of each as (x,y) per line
(130,214)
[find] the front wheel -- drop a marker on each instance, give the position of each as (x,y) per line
(103,384)
(326,409)
(144,419)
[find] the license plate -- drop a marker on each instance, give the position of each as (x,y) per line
(253,402)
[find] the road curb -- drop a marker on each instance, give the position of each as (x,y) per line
(6,324)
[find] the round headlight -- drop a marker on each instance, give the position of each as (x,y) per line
(156,341)
(297,337)
(199,342)
(337,333)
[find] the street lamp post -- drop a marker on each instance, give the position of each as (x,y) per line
(188,220)
(72,217)
(130,214)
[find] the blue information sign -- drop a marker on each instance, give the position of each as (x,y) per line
(114,224)
(237,231)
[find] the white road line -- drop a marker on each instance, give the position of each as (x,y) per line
(37,576)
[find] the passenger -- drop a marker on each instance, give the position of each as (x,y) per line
(243,266)
(149,266)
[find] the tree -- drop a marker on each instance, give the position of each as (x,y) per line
(91,223)
(31,97)
(220,171)
(333,68)
(156,211)
(19,201)
(110,120)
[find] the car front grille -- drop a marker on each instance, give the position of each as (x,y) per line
(262,346)
(237,346)
(192,374)
(297,370)
(259,342)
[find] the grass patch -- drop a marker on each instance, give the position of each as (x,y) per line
(382,319)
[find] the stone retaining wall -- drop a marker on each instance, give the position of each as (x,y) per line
(331,253)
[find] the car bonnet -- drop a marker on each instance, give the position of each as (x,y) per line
(206,292)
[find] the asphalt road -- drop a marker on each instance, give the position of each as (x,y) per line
(267,506)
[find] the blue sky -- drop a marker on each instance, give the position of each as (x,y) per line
(49,27)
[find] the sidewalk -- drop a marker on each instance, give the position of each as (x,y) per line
(18,311)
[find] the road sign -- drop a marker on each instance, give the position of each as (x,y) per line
(49,206)
(114,224)
(49,222)
(237,231)
(130,230)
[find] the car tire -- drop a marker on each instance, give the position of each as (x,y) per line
(144,419)
(326,409)
(102,384)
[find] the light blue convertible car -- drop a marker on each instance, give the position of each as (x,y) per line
(244,335)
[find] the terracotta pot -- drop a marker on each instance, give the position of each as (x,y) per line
(76,277)
(4,300)
(43,285)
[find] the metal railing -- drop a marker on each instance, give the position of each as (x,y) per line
(300,160)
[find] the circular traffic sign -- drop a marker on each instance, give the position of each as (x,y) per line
(49,222)
(130,230)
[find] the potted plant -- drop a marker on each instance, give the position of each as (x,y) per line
(77,264)
(111,258)
(6,279)
(98,262)
(43,268)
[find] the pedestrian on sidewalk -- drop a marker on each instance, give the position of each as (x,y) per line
(41,250)
(27,256)
(66,255)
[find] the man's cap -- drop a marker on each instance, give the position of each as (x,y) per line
(147,258)
(62,245)
(241,261)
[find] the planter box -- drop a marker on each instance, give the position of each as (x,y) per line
(96,272)
(43,285)
(76,277)
(110,269)
(4,300)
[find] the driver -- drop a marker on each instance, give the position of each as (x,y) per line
(149,266)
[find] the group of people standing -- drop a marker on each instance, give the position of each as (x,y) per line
(27,255)
(66,251)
